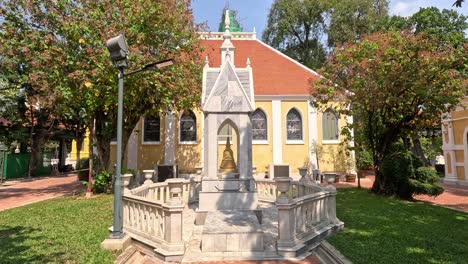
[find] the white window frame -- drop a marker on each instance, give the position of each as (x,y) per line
(180,128)
(294,141)
(262,141)
(143,142)
(331,141)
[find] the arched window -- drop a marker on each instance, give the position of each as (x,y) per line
(330,125)
(188,127)
(293,125)
(151,129)
(259,125)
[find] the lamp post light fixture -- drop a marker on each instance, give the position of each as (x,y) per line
(118,49)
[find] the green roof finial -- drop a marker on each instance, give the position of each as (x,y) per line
(234,25)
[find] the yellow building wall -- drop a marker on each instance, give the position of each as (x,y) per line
(461,172)
(84,153)
(459,130)
(296,155)
(262,154)
(459,155)
(448,162)
(188,156)
(459,124)
(152,154)
(332,157)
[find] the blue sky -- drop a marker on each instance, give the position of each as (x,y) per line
(253,13)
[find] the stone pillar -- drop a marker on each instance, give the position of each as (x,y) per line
(244,153)
(211,147)
(174,216)
(169,137)
(175,188)
(331,204)
(277,132)
(313,134)
(286,218)
(132,151)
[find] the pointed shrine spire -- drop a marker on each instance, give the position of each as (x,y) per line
(227,49)
(227,21)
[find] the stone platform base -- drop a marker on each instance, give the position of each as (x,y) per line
(116,243)
(232,231)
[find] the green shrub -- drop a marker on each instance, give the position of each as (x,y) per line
(82,166)
(102,182)
(397,168)
(364,160)
(405,176)
(424,182)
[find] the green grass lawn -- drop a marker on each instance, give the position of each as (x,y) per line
(383,230)
(62,230)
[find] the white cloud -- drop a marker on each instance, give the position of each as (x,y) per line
(403,8)
(409,7)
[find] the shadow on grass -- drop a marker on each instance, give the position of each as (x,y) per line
(19,245)
(383,230)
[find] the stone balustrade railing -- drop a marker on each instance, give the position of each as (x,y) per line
(159,192)
(153,213)
(267,190)
(306,212)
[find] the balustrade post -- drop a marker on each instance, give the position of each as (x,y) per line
(174,216)
(303,173)
(148,176)
(331,204)
(283,184)
(126,182)
(286,217)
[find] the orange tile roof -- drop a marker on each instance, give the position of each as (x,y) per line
(273,72)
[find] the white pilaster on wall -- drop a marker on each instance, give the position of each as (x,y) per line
(277,132)
(465,153)
(352,155)
(202,129)
(132,151)
(169,138)
(313,134)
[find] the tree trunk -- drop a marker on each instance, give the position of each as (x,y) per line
(37,143)
(103,149)
(31,139)
(79,146)
(418,151)
(91,157)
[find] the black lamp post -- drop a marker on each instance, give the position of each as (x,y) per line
(118,50)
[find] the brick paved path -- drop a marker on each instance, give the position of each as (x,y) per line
(454,196)
(18,193)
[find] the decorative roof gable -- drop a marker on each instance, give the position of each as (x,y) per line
(228,93)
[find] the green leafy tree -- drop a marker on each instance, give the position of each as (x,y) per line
(302,29)
(448,28)
(395,82)
(296,28)
(71,61)
(447,25)
(349,20)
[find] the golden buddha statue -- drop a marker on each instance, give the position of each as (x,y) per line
(228,165)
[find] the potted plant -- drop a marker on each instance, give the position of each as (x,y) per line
(364,162)
(350,177)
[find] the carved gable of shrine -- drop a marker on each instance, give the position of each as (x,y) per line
(228,93)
